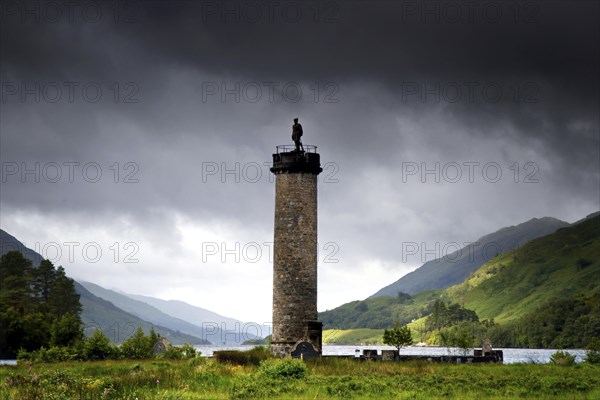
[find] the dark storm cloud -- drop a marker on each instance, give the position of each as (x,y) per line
(397,82)
(546,48)
(351,40)
(377,54)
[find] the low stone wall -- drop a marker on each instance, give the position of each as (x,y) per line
(494,356)
(453,359)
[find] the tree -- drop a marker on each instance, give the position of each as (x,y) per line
(60,299)
(137,346)
(445,315)
(399,336)
(592,354)
(66,330)
(63,298)
(21,323)
(38,306)
(153,339)
(44,277)
(436,319)
(15,283)
(405,298)
(458,336)
(98,347)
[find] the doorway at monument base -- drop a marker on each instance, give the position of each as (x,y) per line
(305,350)
(309,346)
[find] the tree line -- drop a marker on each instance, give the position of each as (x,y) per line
(39,307)
(40,320)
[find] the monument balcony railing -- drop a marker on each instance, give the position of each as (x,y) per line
(287,148)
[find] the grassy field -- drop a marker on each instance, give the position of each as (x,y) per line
(293,379)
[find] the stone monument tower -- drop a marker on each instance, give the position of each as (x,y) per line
(296,331)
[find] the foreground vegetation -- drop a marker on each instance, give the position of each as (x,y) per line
(201,378)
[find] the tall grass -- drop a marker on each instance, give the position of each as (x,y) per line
(202,378)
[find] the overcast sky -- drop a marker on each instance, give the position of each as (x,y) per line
(143,131)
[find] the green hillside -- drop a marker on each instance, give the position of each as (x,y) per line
(545,293)
(353,336)
(515,283)
(379,312)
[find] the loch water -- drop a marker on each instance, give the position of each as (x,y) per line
(511,356)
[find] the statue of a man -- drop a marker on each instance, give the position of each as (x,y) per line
(297,135)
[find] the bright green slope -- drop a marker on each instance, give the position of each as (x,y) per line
(380,312)
(516,283)
(353,336)
(513,285)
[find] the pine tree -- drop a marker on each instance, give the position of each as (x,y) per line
(44,277)
(15,283)
(63,298)
(38,306)
(21,325)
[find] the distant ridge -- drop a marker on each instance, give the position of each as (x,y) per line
(183,310)
(98,313)
(9,243)
(203,317)
(592,215)
(117,324)
(143,307)
(454,268)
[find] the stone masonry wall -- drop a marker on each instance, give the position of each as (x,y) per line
(295,258)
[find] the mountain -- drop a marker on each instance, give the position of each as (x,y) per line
(117,324)
(144,309)
(454,268)
(119,314)
(543,294)
(592,215)
(98,313)
(195,315)
(565,264)
(10,243)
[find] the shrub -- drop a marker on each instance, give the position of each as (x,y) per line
(283,368)
(52,354)
(235,357)
(24,355)
(138,346)
(250,357)
(562,358)
(592,355)
(189,351)
(582,263)
(173,353)
(98,347)
(196,361)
